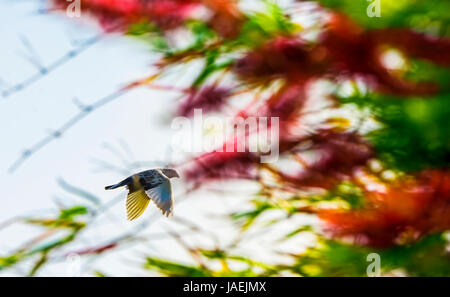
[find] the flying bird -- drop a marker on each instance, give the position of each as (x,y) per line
(153,184)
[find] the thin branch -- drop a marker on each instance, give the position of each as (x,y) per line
(193,252)
(45,70)
(32,56)
(84,111)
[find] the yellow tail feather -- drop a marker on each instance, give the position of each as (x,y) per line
(136,204)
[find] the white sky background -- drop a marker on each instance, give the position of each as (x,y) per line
(139,119)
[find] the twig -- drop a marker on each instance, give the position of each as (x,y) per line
(84,111)
(45,70)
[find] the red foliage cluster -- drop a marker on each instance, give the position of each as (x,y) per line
(337,156)
(166,14)
(209,98)
(351,50)
(413,44)
(227,19)
(344,49)
(112,14)
(406,211)
(285,103)
(222,165)
(284,57)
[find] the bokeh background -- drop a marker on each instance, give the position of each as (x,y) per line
(53,201)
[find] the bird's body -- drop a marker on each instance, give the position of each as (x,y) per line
(148,185)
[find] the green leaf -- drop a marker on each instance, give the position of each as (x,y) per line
(71,213)
(175,269)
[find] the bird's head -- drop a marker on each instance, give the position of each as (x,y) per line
(170,173)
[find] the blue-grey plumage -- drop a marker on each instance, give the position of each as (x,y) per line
(148,185)
(125,182)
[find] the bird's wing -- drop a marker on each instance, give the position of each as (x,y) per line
(151,178)
(136,204)
(162,197)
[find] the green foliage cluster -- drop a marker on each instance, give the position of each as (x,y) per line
(426,16)
(67,222)
(428,257)
(414,133)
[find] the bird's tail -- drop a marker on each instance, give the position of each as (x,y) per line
(125,182)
